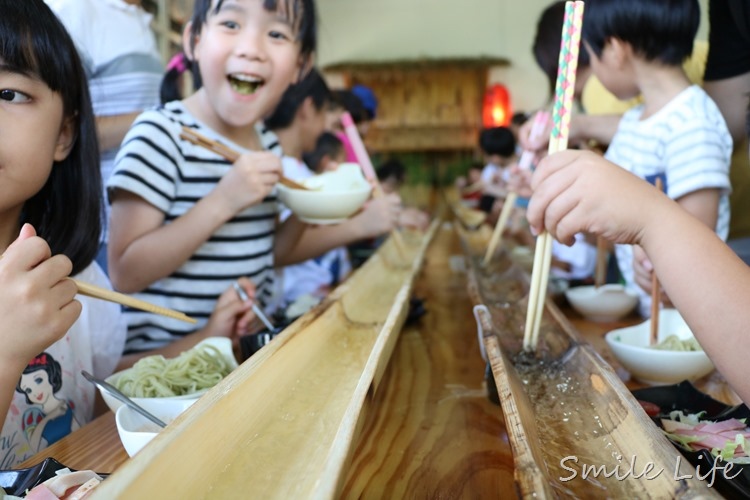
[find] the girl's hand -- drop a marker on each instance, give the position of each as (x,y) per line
(520,181)
(579,191)
(251,179)
(231,315)
(36,300)
(537,144)
(380,215)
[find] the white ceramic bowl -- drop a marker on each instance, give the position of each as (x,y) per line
(223,344)
(630,347)
(339,194)
(136,431)
(606,303)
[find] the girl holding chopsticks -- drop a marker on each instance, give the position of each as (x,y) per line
(49,180)
(186,223)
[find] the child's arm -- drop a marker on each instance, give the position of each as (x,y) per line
(599,128)
(231,318)
(378,216)
(142,249)
(704,206)
(579,191)
(37,306)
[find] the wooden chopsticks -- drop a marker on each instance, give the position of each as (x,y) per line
(655,292)
(102,293)
(566,75)
(97,292)
(228,153)
(600,271)
(537,129)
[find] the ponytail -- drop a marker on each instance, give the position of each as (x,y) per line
(171,87)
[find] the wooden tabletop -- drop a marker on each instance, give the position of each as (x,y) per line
(432,432)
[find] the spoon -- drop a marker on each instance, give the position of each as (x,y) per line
(257,310)
(115,392)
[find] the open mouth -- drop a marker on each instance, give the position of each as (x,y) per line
(245,84)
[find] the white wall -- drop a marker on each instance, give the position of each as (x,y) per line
(395,30)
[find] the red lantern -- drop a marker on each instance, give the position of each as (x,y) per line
(496,109)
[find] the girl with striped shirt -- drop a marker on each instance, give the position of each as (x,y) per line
(186,223)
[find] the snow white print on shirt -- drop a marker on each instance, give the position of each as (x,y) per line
(49,418)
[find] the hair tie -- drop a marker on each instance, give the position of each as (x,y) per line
(177,63)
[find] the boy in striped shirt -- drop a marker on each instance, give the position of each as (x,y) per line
(678,134)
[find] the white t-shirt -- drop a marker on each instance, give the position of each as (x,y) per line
(120,56)
(581,256)
(59,399)
(490,172)
(313,275)
(688,146)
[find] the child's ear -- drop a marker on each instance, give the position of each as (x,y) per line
(65,139)
(619,52)
(307,108)
(187,42)
(305,64)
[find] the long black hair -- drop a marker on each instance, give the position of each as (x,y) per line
(68,210)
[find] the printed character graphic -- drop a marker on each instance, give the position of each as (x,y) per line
(50,418)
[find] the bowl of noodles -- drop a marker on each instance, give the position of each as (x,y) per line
(332,196)
(677,356)
(187,376)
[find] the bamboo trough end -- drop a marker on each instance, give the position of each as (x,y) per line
(283,424)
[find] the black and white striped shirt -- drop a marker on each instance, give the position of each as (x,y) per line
(172,175)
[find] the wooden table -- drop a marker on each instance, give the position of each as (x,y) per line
(431,431)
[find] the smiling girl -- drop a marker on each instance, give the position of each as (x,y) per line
(185,222)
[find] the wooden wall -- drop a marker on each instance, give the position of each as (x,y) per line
(423,106)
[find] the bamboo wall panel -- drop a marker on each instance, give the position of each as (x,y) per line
(424,107)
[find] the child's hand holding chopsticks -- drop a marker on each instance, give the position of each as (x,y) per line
(251,178)
(37,303)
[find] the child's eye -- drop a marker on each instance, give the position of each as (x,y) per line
(231,25)
(13,96)
(278,35)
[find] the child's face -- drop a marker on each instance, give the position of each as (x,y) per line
(475,175)
(333,119)
(498,160)
(248,56)
(313,125)
(33,135)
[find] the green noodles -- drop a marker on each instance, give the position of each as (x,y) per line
(193,370)
(675,343)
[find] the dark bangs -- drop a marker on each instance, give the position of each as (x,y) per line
(657,30)
(301,15)
(67,211)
